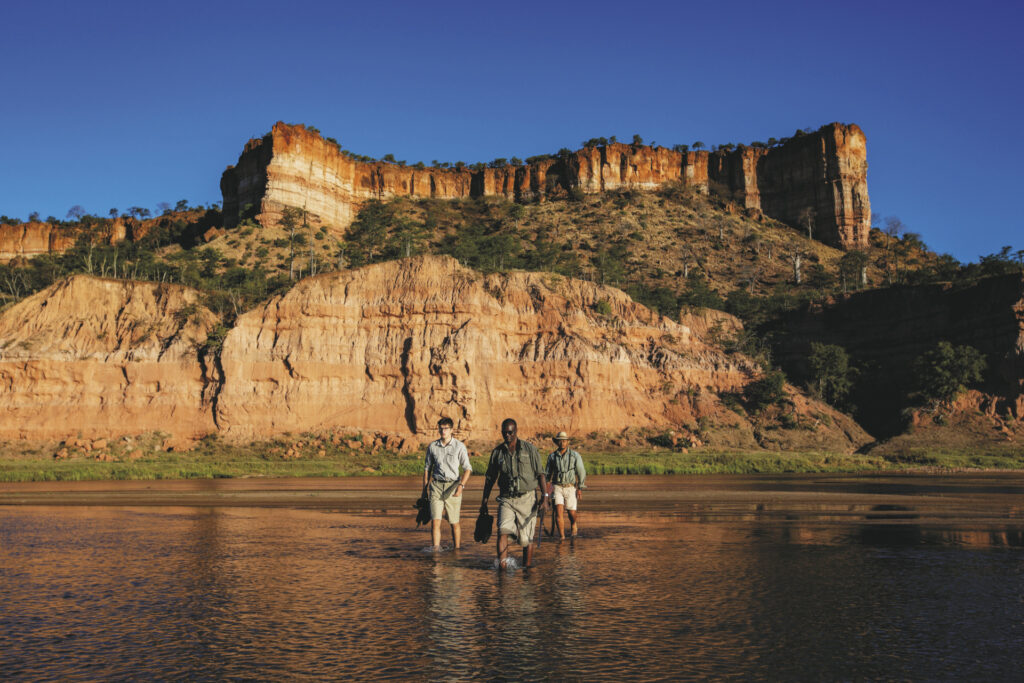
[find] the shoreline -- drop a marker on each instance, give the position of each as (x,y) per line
(256,465)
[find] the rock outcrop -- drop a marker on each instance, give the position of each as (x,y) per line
(26,240)
(93,357)
(824,172)
(389,347)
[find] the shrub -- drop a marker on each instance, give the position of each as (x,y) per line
(767,391)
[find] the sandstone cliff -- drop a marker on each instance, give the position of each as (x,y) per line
(388,347)
(25,240)
(824,171)
(95,357)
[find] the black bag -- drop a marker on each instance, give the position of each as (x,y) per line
(484,523)
(423,511)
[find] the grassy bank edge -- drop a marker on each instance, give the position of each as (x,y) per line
(248,462)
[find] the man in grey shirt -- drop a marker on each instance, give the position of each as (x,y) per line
(442,483)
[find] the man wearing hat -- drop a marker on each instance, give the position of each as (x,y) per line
(566,472)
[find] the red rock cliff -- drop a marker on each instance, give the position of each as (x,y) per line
(825,171)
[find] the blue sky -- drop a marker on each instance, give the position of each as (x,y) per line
(114,104)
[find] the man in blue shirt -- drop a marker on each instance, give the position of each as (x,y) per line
(443,483)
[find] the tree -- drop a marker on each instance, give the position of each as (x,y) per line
(76,212)
(637,140)
(164,208)
(291,218)
(182,205)
(831,374)
(797,259)
(853,269)
(807,218)
(945,371)
(894,229)
(114,213)
(699,145)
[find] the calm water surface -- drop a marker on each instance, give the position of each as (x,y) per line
(792,578)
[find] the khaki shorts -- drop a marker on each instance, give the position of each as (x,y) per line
(565,495)
(512,515)
(452,505)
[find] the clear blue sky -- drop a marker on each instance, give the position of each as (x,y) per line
(113,104)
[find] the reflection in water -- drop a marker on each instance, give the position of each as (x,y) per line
(752,588)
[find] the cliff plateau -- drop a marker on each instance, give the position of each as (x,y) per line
(823,172)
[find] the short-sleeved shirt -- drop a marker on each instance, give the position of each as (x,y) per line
(517,473)
(443,462)
(566,469)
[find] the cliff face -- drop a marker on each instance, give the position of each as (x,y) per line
(824,171)
(95,357)
(884,331)
(394,346)
(31,239)
(25,240)
(388,347)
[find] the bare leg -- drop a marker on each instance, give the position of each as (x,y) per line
(502,549)
(528,555)
(435,532)
(560,517)
(457,534)
(574,516)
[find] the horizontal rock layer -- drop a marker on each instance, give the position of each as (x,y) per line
(824,171)
(389,347)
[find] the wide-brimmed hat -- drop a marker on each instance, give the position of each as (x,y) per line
(561,436)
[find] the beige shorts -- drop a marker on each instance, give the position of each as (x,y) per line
(512,516)
(452,505)
(565,495)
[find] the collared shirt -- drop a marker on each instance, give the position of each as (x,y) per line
(446,460)
(517,472)
(566,469)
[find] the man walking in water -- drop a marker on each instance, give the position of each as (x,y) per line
(515,465)
(441,481)
(568,476)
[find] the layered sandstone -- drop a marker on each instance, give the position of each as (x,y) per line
(26,240)
(389,347)
(95,357)
(395,345)
(825,172)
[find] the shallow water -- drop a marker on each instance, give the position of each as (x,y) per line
(673,577)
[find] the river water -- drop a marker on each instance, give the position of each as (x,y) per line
(763,578)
